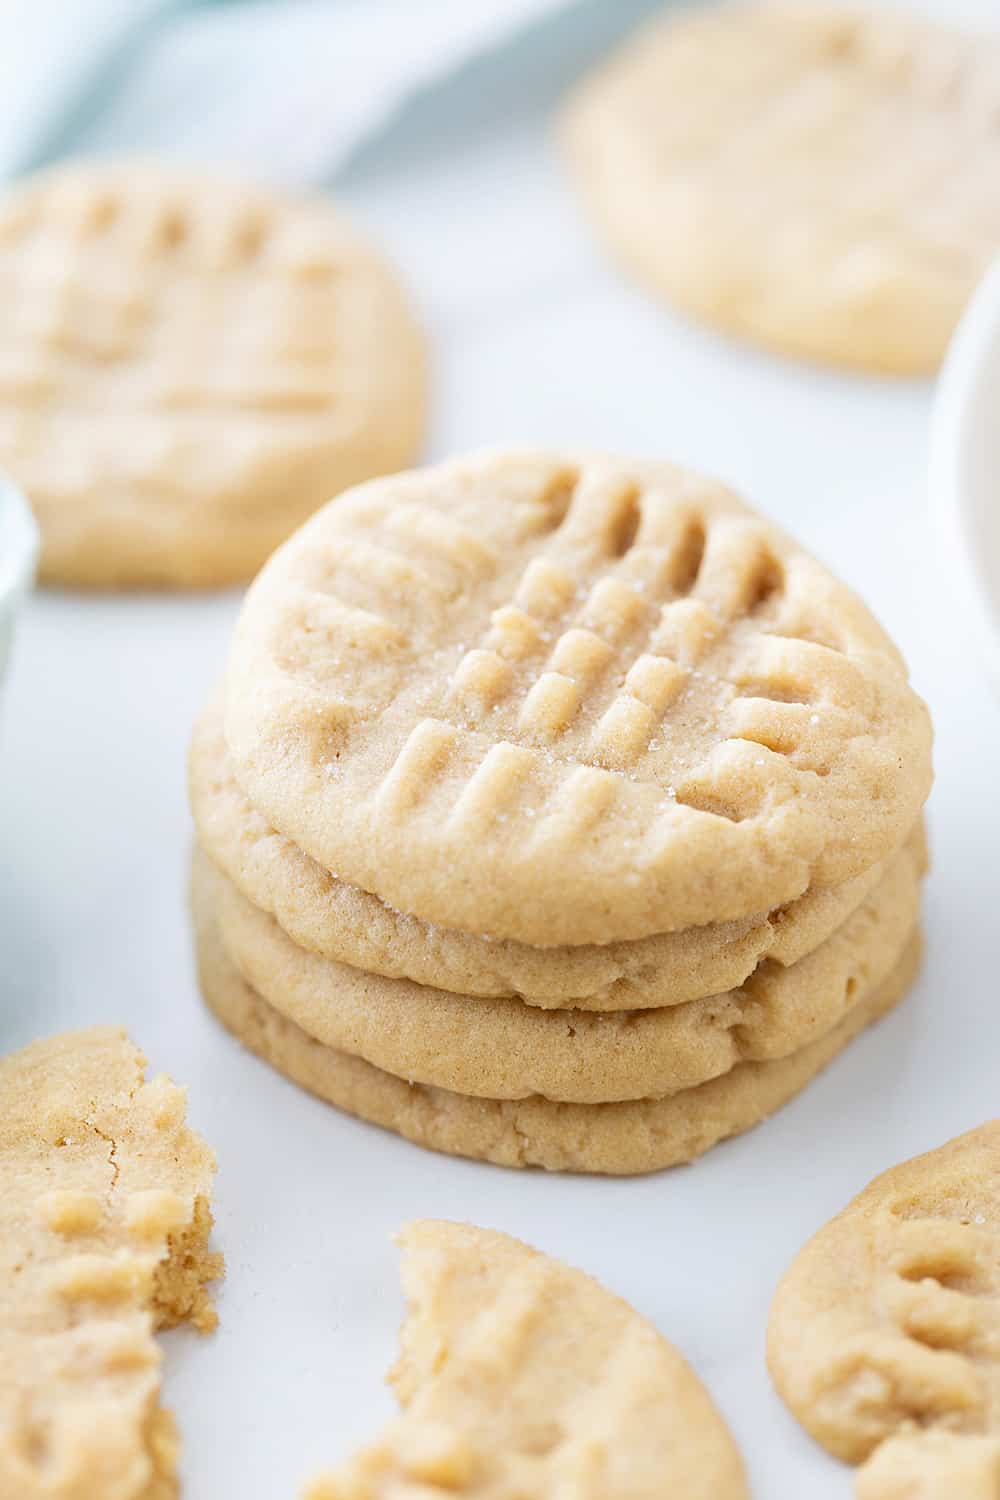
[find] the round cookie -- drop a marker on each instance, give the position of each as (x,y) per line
(816,179)
(352,926)
(569,700)
(189,368)
(552,1387)
(886,1328)
(615,1139)
(504,1049)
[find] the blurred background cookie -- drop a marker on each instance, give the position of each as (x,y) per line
(189,367)
(817,179)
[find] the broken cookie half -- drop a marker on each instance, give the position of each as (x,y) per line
(522,1379)
(104,1226)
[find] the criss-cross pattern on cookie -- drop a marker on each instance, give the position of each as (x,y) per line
(519,1377)
(189,368)
(596,655)
(565,650)
(885,1334)
(934,1352)
(131,292)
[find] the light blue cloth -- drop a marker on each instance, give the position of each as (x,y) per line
(288,90)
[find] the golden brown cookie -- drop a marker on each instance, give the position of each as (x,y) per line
(352,926)
(566,699)
(932,1465)
(816,178)
(885,1332)
(189,367)
(504,1049)
(104,1224)
(522,1379)
(620,1139)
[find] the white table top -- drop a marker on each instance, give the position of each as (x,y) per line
(536,338)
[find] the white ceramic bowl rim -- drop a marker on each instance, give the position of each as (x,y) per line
(965,465)
(18,542)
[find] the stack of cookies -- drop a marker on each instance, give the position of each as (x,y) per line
(557,811)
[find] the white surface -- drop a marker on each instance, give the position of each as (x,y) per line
(535,338)
(965,466)
(18,550)
(51,51)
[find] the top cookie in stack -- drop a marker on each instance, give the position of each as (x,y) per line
(555,731)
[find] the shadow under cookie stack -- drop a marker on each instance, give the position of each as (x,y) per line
(557,811)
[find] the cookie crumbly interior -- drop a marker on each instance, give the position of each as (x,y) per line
(104,1228)
(180,1284)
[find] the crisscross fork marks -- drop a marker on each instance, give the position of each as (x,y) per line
(582,658)
(624,655)
(941,1292)
(520,1378)
(104,279)
(587,672)
(608,643)
(887,1328)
